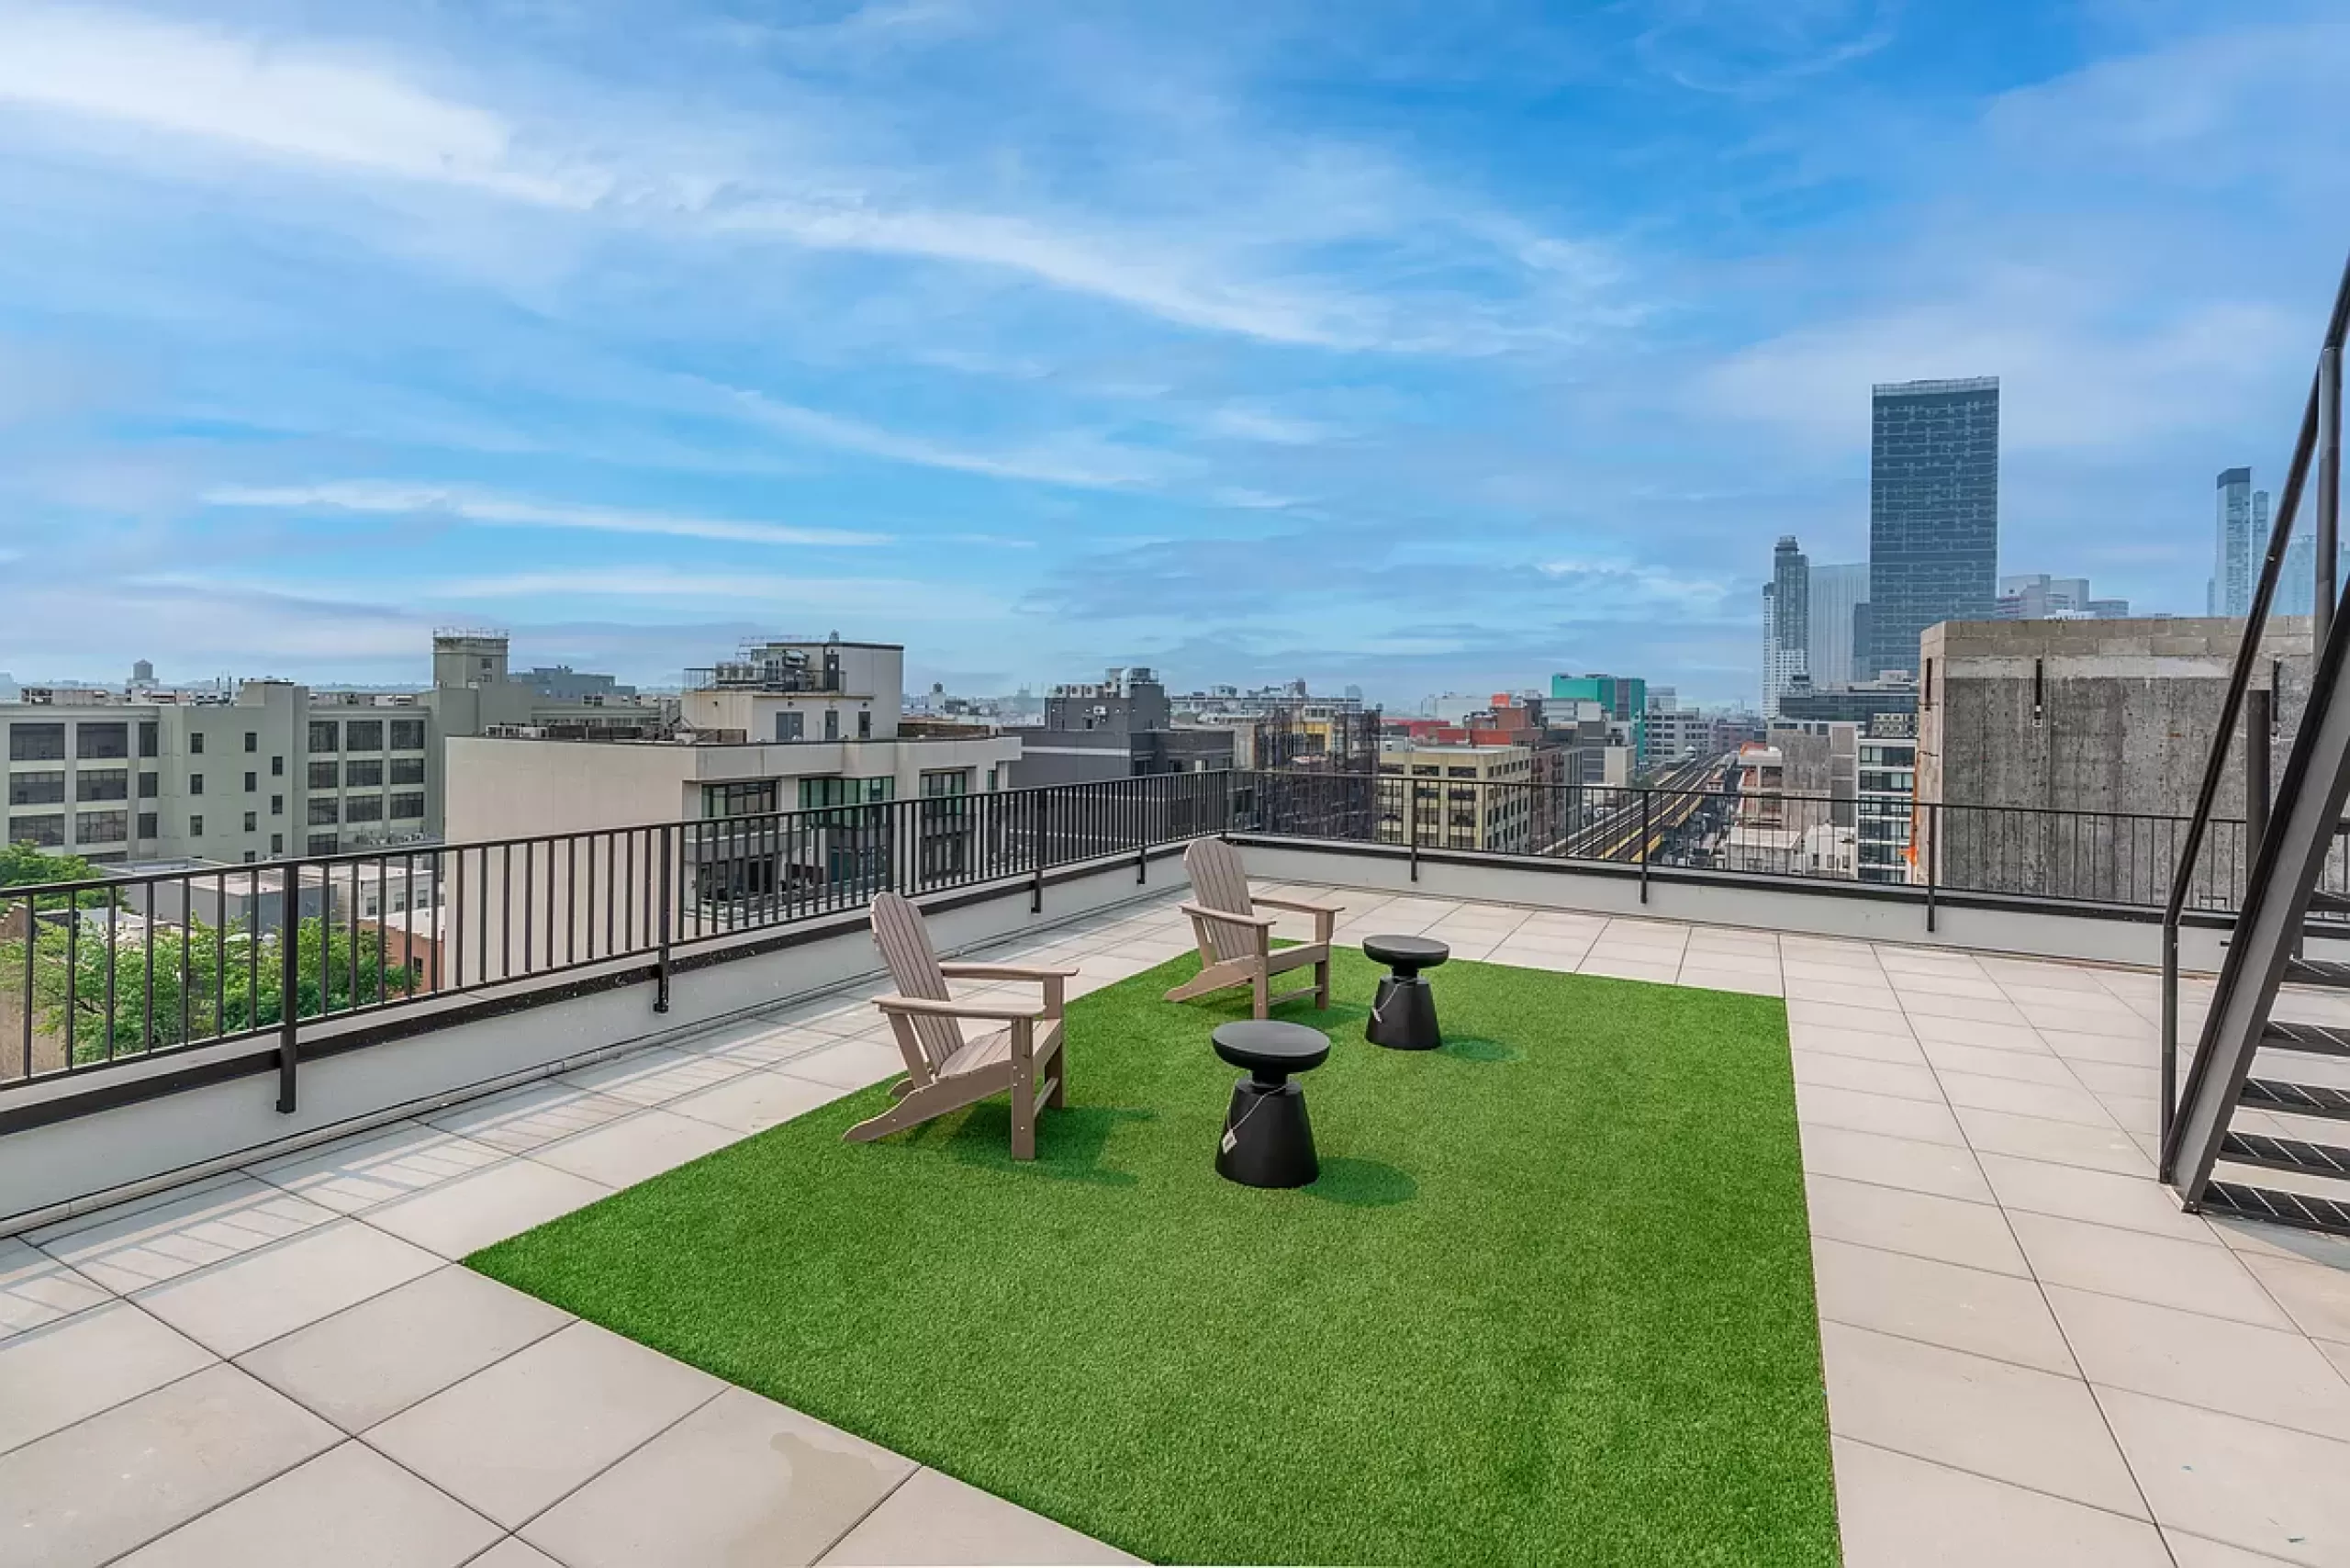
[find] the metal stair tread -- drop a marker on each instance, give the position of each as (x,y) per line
(2296,1099)
(2314,972)
(2241,1201)
(2286,1154)
(2310,1039)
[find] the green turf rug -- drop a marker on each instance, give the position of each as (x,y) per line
(1550,1300)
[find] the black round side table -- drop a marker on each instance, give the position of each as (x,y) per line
(1267,1141)
(1403,1017)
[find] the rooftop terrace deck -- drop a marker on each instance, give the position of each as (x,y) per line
(2031,1354)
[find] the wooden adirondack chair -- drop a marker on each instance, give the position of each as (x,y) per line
(944,1071)
(1236,943)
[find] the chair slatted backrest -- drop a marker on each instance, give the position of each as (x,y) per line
(1220,881)
(898,931)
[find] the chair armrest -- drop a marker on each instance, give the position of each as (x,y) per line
(1298,906)
(1200,912)
(997,1013)
(1006,971)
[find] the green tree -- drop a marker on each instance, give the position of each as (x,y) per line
(24,866)
(206,982)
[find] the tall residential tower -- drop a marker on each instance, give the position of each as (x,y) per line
(1933,510)
(1787,620)
(2238,539)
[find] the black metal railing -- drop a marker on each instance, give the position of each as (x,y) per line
(2105,858)
(2317,445)
(124,968)
(99,972)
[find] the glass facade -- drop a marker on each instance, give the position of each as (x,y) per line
(2233,545)
(1933,512)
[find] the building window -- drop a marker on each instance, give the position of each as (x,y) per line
(195,783)
(368,774)
(147,826)
(278,805)
(832,724)
(863,723)
(48,832)
(277,767)
(407,771)
(409,807)
(252,781)
(195,744)
(363,734)
(148,738)
(946,781)
(36,743)
(324,843)
(790,725)
(322,737)
(36,789)
(323,813)
(108,786)
(754,799)
(408,734)
(325,775)
(845,791)
(252,821)
(252,740)
(363,809)
(196,827)
(251,857)
(150,786)
(277,843)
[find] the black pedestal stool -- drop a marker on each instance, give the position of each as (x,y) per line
(1403,1017)
(1267,1141)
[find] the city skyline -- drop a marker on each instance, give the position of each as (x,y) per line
(1232,343)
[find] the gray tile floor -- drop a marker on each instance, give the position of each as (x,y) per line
(2032,1355)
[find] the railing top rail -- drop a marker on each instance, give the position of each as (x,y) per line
(369,855)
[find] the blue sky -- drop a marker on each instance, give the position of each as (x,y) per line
(1425,346)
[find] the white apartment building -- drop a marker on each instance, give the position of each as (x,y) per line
(246,779)
(278,768)
(836,707)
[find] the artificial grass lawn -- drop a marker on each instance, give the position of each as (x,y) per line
(1550,1299)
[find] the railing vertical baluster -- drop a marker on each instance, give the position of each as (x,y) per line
(289,981)
(147,943)
(113,904)
(32,940)
(506,912)
(1644,845)
(1934,861)
(253,951)
(187,935)
(661,965)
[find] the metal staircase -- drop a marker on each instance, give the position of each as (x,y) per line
(2282,1164)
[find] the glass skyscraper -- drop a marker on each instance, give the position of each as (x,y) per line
(1933,510)
(2239,543)
(1837,591)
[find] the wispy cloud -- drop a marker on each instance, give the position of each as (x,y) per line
(1249,274)
(1065,460)
(393,498)
(1246,421)
(301,104)
(780,592)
